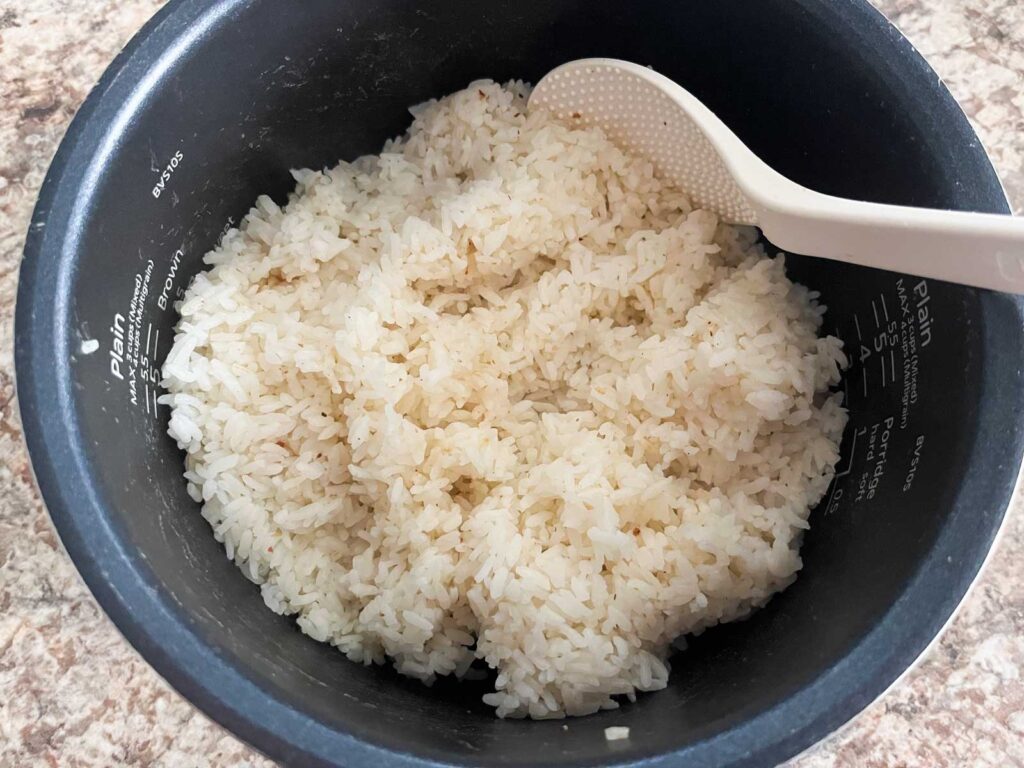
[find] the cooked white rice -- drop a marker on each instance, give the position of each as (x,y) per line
(499,393)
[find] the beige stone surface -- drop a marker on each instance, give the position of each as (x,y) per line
(73,693)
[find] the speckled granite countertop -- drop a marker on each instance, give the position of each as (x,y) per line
(73,693)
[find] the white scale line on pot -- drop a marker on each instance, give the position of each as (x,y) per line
(849,467)
(892,354)
(853,451)
(156,358)
(863,370)
(846,390)
(875,310)
(148,392)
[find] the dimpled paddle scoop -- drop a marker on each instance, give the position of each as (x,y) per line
(651,116)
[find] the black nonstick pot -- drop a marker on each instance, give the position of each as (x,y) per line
(214,102)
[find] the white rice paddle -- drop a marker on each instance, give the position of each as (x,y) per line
(649,115)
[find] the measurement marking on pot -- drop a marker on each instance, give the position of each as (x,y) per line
(856,322)
(875,310)
(883,372)
(853,452)
(864,376)
(885,309)
(835,478)
(892,365)
(134,355)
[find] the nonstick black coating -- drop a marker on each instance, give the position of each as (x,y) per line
(214,102)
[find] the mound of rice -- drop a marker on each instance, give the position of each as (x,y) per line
(499,393)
